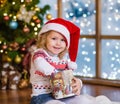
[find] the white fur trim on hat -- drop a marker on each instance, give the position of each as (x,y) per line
(57,27)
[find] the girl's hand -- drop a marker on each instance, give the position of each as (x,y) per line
(76,85)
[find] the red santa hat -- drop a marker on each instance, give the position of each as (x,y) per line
(70,31)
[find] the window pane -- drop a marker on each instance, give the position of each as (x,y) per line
(111,59)
(110,17)
(53,7)
(86,58)
(82,13)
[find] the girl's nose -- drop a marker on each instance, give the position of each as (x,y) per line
(58,42)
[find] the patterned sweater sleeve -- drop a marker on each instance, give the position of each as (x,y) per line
(42,65)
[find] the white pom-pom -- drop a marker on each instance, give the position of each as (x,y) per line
(72,65)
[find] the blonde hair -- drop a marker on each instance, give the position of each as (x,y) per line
(41,43)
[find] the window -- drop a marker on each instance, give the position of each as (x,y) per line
(99,47)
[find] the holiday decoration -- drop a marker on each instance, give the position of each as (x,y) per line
(20,21)
(9,77)
(48,16)
(13,24)
(25,15)
(26,29)
(61,84)
(24,82)
(6,18)
(2,3)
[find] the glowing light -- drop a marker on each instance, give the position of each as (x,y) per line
(84,15)
(112,58)
(90,30)
(104,75)
(36,33)
(92,44)
(35,28)
(83,46)
(13,3)
(116,47)
(80,9)
(109,26)
(82,24)
(107,44)
(1,51)
(83,39)
(87,59)
(94,52)
(86,5)
(84,53)
(32,24)
(110,52)
(5,14)
(116,28)
(38,25)
(109,19)
(112,65)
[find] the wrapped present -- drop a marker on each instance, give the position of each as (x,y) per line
(61,84)
(9,77)
(4,79)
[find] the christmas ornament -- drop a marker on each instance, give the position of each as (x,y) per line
(37,21)
(9,59)
(34,18)
(24,82)
(6,18)
(48,16)
(28,1)
(26,29)
(10,49)
(25,15)
(4,46)
(18,59)
(37,9)
(13,25)
(2,3)
(23,49)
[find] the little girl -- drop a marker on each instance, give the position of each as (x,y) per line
(57,38)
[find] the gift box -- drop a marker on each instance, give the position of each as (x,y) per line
(61,84)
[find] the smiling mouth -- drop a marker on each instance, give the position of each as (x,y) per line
(57,48)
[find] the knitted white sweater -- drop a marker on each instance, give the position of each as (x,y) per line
(42,66)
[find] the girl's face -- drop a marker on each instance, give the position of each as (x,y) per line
(55,43)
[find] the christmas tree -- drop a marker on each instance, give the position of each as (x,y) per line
(20,22)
